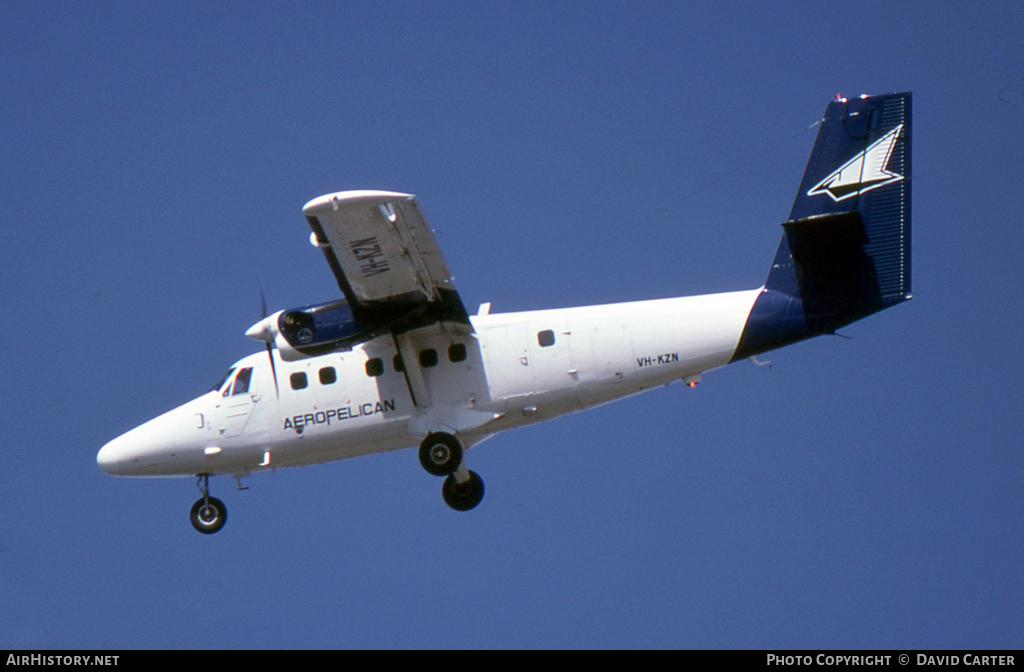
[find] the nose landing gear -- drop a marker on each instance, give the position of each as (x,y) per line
(208,513)
(441,455)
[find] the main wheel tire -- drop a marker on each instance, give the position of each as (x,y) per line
(463,496)
(440,453)
(209,515)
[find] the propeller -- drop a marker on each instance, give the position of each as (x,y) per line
(269,341)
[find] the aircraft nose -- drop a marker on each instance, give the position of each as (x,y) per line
(112,456)
(167,445)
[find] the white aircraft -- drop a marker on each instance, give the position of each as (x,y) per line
(398,361)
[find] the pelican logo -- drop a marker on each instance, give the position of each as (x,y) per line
(862,173)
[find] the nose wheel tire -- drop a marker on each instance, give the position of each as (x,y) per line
(440,453)
(209,515)
(463,496)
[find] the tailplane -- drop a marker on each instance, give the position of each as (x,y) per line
(845,252)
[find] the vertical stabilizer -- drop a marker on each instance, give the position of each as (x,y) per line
(845,252)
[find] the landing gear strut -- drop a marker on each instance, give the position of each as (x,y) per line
(208,513)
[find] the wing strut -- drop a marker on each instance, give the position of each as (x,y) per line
(412,371)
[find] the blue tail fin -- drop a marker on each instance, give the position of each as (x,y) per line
(845,252)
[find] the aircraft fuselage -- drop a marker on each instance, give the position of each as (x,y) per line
(512,369)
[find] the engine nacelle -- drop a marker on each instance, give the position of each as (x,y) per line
(312,330)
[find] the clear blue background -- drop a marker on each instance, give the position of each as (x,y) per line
(859,493)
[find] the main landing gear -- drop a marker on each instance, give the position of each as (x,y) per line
(441,455)
(208,513)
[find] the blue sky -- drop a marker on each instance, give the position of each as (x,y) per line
(859,493)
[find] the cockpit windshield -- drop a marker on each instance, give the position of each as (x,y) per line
(223,380)
(242,382)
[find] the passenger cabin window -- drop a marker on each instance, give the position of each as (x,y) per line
(374,367)
(428,358)
(299,381)
(242,382)
(328,376)
(456,352)
(546,338)
(397,363)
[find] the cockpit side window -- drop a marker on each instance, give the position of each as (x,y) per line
(242,382)
(223,380)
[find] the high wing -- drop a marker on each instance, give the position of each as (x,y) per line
(391,271)
(385,257)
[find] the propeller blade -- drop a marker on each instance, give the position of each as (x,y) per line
(264,333)
(273,370)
